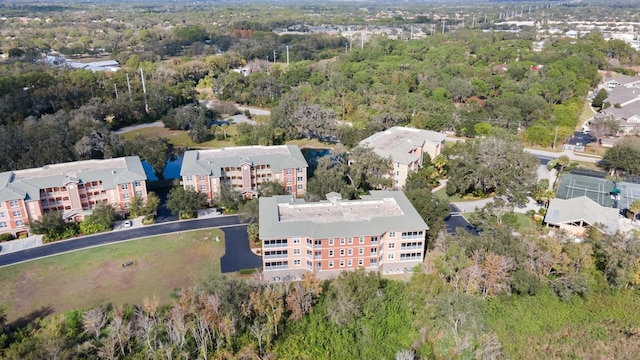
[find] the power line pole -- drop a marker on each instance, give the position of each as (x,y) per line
(555,138)
(115,87)
(144,91)
(287,54)
(274,56)
(129,87)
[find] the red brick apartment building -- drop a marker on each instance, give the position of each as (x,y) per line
(381,232)
(72,188)
(245,168)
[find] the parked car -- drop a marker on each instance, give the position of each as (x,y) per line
(127,223)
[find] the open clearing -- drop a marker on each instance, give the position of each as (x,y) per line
(180,138)
(87,278)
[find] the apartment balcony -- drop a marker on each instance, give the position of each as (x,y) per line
(276,256)
(411,258)
(276,267)
(271,246)
(402,248)
(413,237)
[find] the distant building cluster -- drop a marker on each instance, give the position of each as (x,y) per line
(95,66)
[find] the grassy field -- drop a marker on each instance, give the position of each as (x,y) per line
(585,115)
(87,278)
(603,326)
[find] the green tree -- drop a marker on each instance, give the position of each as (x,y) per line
(53,226)
(155,151)
(136,206)
(151,205)
(624,156)
(101,219)
(598,100)
(185,201)
(634,207)
(229,198)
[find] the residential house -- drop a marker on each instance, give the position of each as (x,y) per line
(244,168)
(406,148)
(72,188)
(577,215)
(379,232)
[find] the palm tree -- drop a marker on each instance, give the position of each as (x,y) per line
(563,161)
(634,207)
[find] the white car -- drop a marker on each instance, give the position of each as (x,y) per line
(127,223)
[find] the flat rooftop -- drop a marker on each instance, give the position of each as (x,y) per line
(71,169)
(330,212)
(244,151)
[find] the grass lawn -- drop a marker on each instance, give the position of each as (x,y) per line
(180,138)
(602,326)
(585,115)
(442,193)
(87,278)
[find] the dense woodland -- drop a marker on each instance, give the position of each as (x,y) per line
(506,293)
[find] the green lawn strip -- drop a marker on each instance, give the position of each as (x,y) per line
(91,277)
(602,326)
(180,138)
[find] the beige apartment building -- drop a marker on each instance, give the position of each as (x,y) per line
(406,148)
(379,232)
(72,189)
(245,168)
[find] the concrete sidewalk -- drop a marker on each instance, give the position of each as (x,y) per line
(20,244)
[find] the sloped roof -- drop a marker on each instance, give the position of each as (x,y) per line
(397,142)
(211,161)
(26,184)
(564,211)
(374,214)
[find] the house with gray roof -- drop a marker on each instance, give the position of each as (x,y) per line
(406,148)
(72,189)
(577,215)
(244,169)
(381,232)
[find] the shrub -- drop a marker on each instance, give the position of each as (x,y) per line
(6,237)
(249,271)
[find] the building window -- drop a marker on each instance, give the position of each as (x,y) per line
(392,245)
(3,224)
(391,256)
(374,252)
(392,234)
(13,203)
(19,223)
(202,178)
(296,262)
(1,215)
(300,179)
(330,252)
(360,262)
(330,240)
(296,251)
(137,183)
(189,178)
(289,172)
(124,186)
(341,263)
(203,187)
(125,196)
(299,170)
(342,241)
(350,240)
(127,205)
(361,240)
(349,262)
(397,165)
(373,262)
(300,187)
(296,240)
(138,193)
(330,264)
(361,251)
(289,188)
(17,213)
(350,252)
(341,252)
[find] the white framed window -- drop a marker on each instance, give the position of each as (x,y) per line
(299,170)
(392,234)
(392,245)
(349,262)
(13,203)
(289,181)
(331,241)
(203,187)
(189,178)
(3,224)
(296,240)
(289,188)
(342,241)
(341,252)
(17,213)
(300,187)
(391,256)
(299,179)
(125,196)
(124,186)
(1,214)
(350,252)
(330,264)
(137,183)
(341,263)
(296,262)
(19,223)
(296,251)
(361,251)
(360,262)
(330,252)
(127,205)
(361,240)
(289,172)
(202,178)
(350,240)
(138,193)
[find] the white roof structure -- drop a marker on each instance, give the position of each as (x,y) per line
(582,209)
(398,143)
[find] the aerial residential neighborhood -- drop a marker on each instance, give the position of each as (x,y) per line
(340,180)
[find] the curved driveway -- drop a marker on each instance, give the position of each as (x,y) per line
(237,253)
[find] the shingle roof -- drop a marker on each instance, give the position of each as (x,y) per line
(26,184)
(211,162)
(375,214)
(397,142)
(564,211)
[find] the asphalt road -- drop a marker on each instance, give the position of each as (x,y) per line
(456,220)
(237,253)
